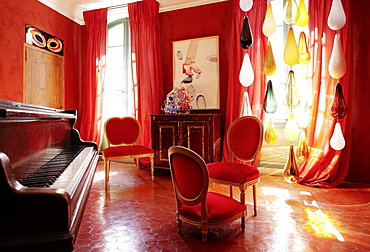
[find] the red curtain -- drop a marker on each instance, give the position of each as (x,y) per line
(257,55)
(145,48)
(326,167)
(95,61)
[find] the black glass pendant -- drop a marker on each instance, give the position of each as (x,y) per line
(246,37)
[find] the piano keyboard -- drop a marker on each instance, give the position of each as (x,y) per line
(46,175)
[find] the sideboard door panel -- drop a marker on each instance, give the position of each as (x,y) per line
(196,137)
(199,132)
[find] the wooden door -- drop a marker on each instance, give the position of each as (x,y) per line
(43,78)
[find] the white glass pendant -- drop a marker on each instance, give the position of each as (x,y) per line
(246,5)
(291,129)
(337,62)
(246,75)
(337,17)
(337,141)
(269,25)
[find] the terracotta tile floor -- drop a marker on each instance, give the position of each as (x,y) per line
(135,214)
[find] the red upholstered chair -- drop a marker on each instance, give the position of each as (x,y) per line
(194,204)
(244,140)
(122,134)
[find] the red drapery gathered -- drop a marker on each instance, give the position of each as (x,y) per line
(257,55)
(326,167)
(95,62)
(145,48)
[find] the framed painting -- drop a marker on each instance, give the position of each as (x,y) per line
(196,69)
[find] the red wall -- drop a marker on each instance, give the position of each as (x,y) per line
(14,15)
(196,22)
(359,168)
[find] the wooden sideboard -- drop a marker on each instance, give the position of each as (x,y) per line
(199,132)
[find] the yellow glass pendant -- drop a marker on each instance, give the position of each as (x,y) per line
(304,55)
(337,62)
(303,152)
(269,25)
(303,14)
(269,65)
(270,133)
(291,54)
(291,11)
(291,173)
(291,129)
(291,95)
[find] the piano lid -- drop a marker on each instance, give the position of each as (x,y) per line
(17,110)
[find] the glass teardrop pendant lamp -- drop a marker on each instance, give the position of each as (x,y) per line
(337,16)
(245,5)
(302,152)
(291,129)
(337,62)
(269,104)
(246,75)
(291,173)
(291,11)
(303,14)
(270,133)
(338,108)
(269,65)
(269,24)
(304,55)
(291,94)
(291,53)
(246,37)
(337,141)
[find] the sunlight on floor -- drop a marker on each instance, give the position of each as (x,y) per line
(100,175)
(316,220)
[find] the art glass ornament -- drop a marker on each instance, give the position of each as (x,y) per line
(246,36)
(269,104)
(337,141)
(291,11)
(177,102)
(246,75)
(291,173)
(337,16)
(269,65)
(270,133)
(246,5)
(302,152)
(246,109)
(337,62)
(303,14)
(291,53)
(269,24)
(304,55)
(338,108)
(291,93)
(291,129)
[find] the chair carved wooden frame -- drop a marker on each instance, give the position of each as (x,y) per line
(194,204)
(244,140)
(122,134)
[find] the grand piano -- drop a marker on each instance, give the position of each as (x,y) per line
(46,173)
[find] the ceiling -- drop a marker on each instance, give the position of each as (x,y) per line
(73,8)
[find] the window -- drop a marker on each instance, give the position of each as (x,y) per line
(118,93)
(275,156)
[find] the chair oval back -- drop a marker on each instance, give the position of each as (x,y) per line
(189,174)
(122,131)
(244,138)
